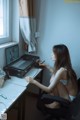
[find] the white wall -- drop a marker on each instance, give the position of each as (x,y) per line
(60,23)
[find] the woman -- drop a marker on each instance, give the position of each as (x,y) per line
(63,81)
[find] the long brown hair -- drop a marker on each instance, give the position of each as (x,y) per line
(63,60)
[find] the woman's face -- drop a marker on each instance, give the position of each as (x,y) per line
(53,56)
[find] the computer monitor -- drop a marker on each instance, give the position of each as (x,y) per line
(12,54)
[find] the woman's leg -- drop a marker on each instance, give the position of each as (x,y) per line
(59,91)
(54,104)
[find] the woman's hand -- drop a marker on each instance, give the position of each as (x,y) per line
(42,65)
(29,79)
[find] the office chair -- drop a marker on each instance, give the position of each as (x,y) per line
(68,110)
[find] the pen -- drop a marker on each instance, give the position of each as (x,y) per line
(42,62)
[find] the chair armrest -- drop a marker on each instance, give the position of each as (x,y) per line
(47,99)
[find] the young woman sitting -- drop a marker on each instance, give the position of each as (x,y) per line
(63,81)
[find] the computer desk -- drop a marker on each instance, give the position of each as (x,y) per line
(14,91)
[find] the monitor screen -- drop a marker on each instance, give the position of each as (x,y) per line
(12,54)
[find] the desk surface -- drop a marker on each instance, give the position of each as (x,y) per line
(9,94)
(13,88)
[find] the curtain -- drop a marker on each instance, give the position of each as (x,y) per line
(28,23)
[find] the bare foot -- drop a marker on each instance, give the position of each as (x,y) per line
(53,105)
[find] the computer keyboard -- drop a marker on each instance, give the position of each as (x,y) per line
(22,64)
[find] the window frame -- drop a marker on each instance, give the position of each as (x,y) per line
(7,13)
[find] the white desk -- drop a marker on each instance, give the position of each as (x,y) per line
(13,88)
(10,93)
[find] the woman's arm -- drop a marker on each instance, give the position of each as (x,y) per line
(48,89)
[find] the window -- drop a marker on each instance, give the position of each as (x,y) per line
(4,21)
(1,17)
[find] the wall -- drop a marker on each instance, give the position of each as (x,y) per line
(59,23)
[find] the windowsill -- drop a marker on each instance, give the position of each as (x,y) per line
(3,36)
(7,44)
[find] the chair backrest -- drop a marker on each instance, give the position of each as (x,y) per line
(75,108)
(75,105)
(78,84)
